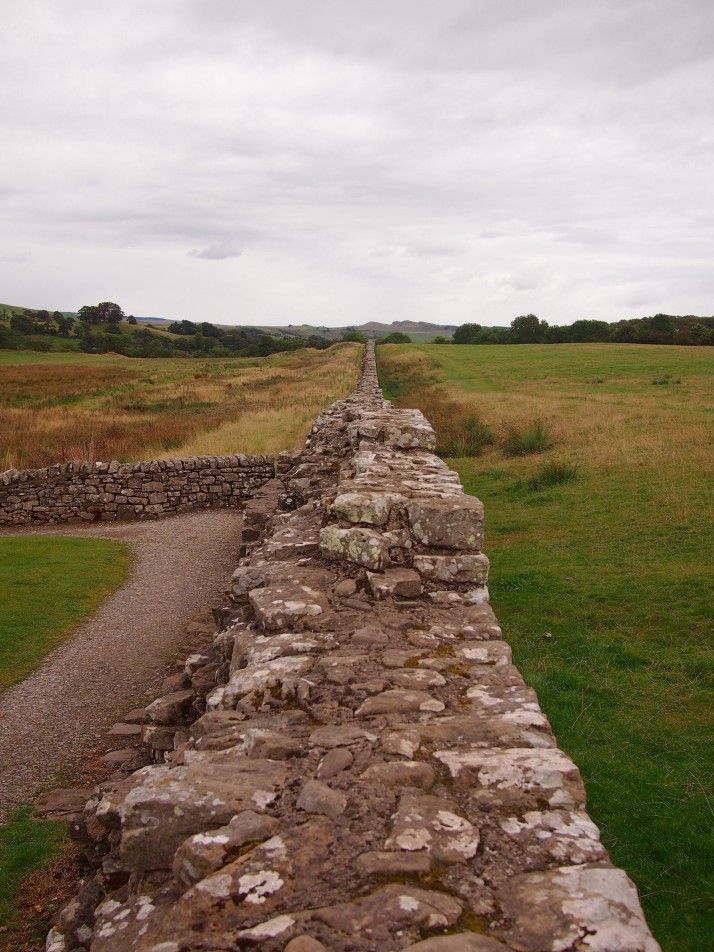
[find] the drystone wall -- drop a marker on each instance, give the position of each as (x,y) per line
(353,762)
(83,492)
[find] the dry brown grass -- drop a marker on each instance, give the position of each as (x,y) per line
(609,421)
(82,407)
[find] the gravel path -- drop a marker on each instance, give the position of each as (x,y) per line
(112,662)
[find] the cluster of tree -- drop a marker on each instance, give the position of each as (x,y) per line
(41,322)
(98,331)
(396,337)
(528,329)
(208,341)
(105,313)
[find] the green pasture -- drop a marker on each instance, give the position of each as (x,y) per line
(48,585)
(603,585)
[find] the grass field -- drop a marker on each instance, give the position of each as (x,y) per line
(56,407)
(48,584)
(602,582)
(26,845)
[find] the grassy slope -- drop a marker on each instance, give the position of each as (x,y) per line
(613,567)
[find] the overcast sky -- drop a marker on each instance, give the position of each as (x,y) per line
(331,162)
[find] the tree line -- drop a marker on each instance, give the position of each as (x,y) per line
(529,329)
(97,329)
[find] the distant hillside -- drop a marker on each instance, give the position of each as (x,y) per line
(419,331)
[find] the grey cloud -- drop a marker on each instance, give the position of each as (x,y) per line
(429,159)
(217,251)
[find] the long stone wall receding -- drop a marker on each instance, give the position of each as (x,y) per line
(352,762)
(84,492)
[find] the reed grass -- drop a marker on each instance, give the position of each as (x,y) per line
(70,407)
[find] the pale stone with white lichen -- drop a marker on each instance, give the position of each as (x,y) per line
(362,546)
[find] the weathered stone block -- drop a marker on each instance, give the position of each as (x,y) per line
(454,522)
(363,546)
(503,779)
(169,804)
(394,581)
(467,568)
(277,606)
(372,508)
(588,907)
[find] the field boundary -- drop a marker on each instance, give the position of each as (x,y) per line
(82,491)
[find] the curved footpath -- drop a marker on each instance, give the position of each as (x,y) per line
(368,771)
(115,660)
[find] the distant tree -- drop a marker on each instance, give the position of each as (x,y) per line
(396,337)
(439,340)
(105,313)
(64,324)
(183,327)
(355,336)
(585,332)
(210,330)
(527,329)
(22,324)
(663,329)
(466,334)
(131,319)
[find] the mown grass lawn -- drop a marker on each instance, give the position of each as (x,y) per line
(25,845)
(48,584)
(603,584)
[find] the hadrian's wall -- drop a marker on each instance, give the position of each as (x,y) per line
(353,763)
(83,492)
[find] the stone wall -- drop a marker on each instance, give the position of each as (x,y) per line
(353,762)
(82,491)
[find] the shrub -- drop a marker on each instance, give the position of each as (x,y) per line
(552,474)
(532,438)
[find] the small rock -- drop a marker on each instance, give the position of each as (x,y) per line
(175,682)
(345,588)
(394,581)
(370,636)
(64,803)
(399,702)
(115,758)
(401,774)
(334,762)
(305,943)
(393,864)
(317,797)
(203,853)
(173,708)
(125,730)
(343,736)
(462,942)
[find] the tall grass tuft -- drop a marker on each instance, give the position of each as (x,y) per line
(552,474)
(534,437)
(461,432)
